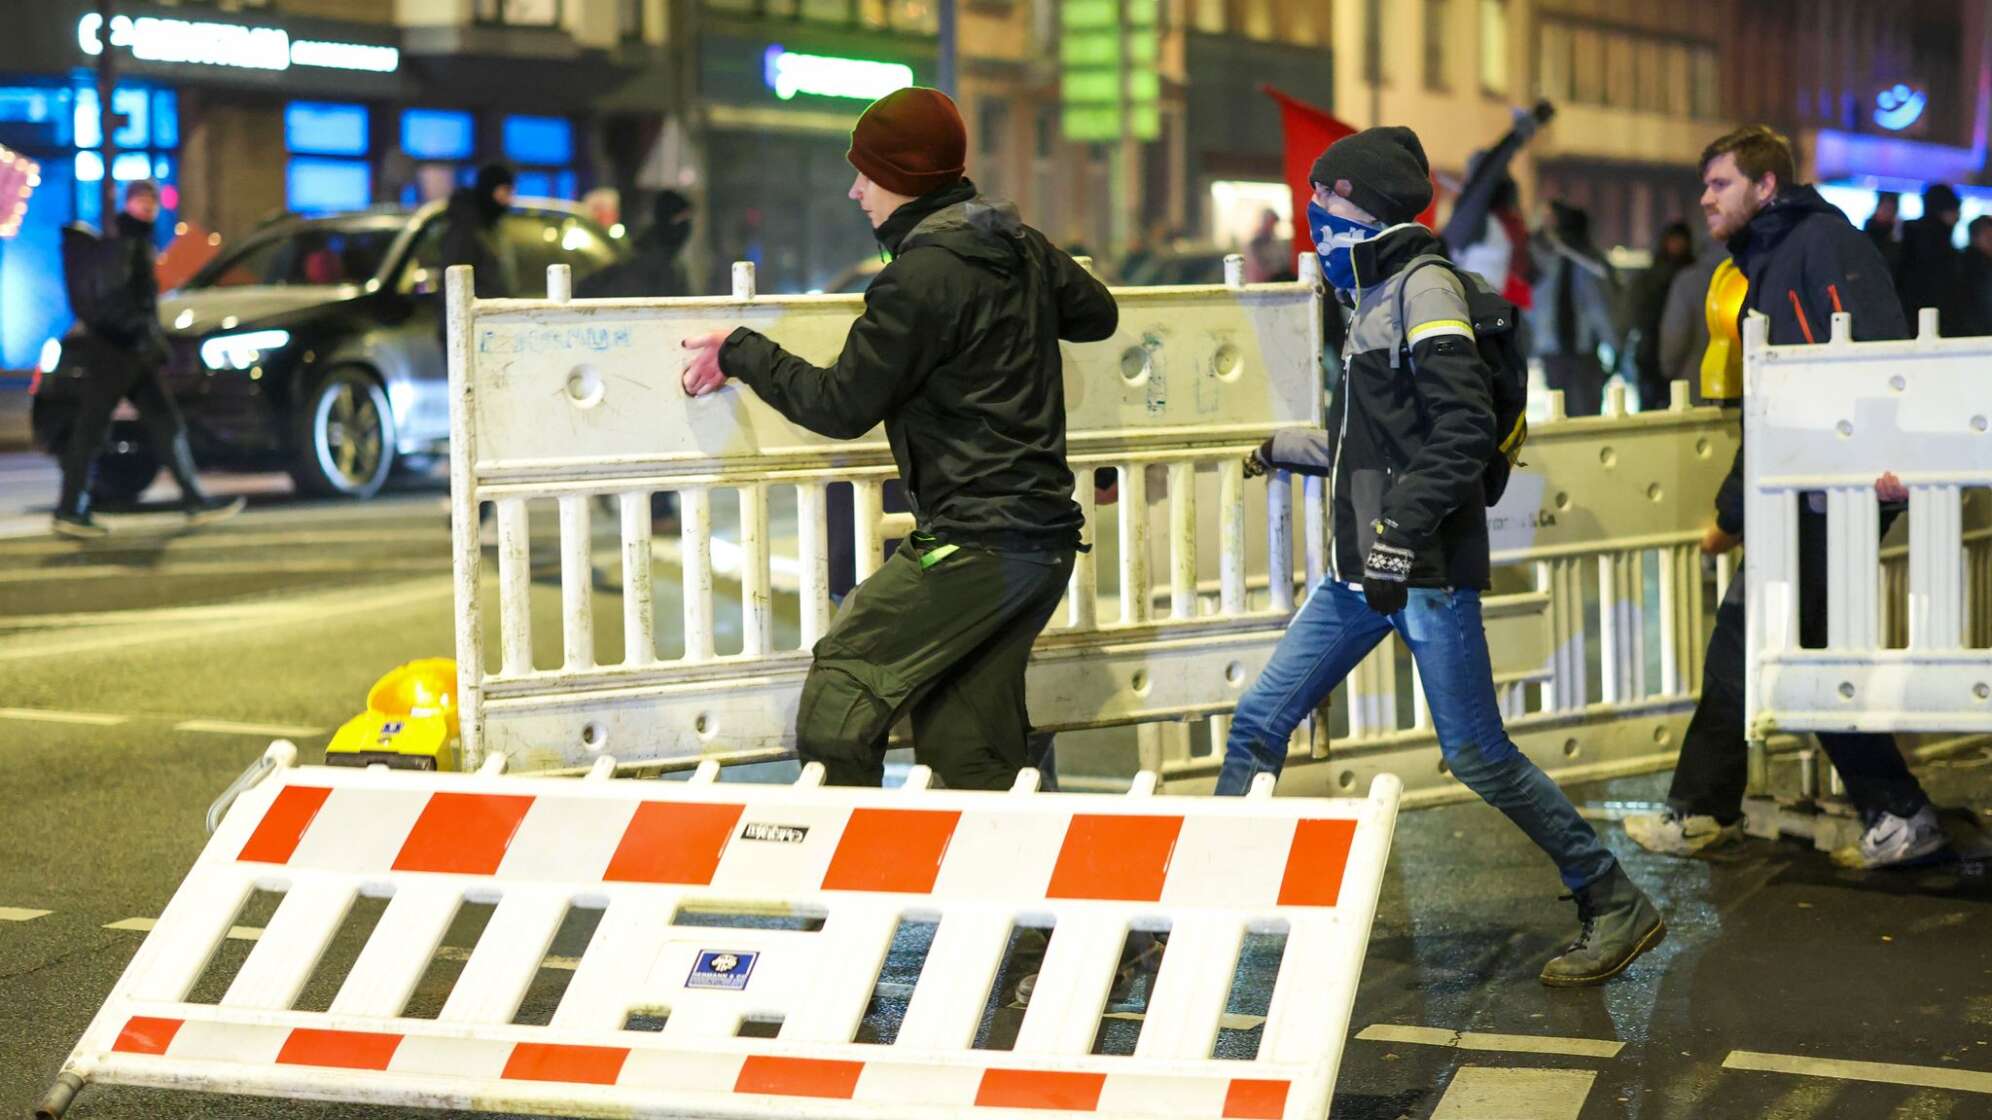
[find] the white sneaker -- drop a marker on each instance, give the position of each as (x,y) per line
(1671,834)
(1893,840)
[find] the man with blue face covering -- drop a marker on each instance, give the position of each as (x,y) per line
(1409,437)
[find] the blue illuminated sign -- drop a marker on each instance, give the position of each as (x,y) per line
(541,140)
(1898,106)
(325,129)
(436,134)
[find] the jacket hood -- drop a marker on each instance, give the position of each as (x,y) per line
(128,226)
(1777,219)
(892,233)
(1386,254)
(982,231)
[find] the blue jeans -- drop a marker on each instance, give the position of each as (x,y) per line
(1334,630)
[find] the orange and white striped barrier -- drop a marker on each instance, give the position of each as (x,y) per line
(650,855)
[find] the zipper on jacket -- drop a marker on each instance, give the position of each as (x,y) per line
(1348,391)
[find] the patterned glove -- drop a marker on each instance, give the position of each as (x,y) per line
(1386,571)
(1259,460)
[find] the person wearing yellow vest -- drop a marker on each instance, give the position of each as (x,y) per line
(1798,261)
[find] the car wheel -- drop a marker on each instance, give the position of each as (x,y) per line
(123,472)
(345,436)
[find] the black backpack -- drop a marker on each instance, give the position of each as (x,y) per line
(93,274)
(1501,334)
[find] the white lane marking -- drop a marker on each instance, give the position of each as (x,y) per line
(38,715)
(144,925)
(1505,1043)
(316,609)
(225,727)
(56,546)
(20,914)
(1487,1093)
(1887,1073)
(218,568)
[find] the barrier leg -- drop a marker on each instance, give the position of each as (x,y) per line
(55,1103)
(1758,781)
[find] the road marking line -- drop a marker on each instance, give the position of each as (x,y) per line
(219,568)
(38,715)
(226,727)
(1480,1092)
(1887,1073)
(56,546)
(1507,1043)
(144,925)
(19,914)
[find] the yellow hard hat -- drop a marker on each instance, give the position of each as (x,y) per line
(1722,362)
(419,688)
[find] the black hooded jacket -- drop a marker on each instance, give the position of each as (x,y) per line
(471,236)
(654,268)
(1805,261)
(128,315)
(957,354)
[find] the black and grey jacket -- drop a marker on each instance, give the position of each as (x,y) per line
(1411,427)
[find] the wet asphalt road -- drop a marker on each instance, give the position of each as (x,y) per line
(133,662)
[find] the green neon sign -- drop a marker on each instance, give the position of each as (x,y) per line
(789,73)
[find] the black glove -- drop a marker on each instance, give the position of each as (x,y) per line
(1386,572)
(1260,460)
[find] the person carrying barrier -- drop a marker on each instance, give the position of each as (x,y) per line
(1410,436)
(957,355)
(1804,261)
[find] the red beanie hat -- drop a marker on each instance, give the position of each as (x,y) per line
(910,141)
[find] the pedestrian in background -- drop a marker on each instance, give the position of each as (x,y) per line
(957,354)
(1646,311)
(1574,310)
(1805,261)
(1976,276)
(654,267)
(122,355)
(1406,446)
(1684,322)
(471,233)
(1884,228)
(1266,255)
(1930,272)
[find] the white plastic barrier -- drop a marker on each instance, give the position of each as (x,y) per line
(650,1021)
(569,404)
(1824,423)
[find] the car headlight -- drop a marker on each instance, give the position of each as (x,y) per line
(241,351)
(51,356)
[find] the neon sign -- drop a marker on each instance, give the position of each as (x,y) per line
(230,44)
(788,74)
(1898,106)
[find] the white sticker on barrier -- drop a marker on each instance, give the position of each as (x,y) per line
(722,906)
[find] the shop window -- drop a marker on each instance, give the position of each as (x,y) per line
(1553,62)
(519,13)
(541,140)
(1257,21)
(1587,70)
(325,129)
(545,183)
(827,11)
(1494,47)
(135,104)
(322,186)
(1707,101)
(1438,15)
(631,18)
(1208,16)
(441,134)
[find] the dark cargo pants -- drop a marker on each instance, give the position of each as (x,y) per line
(944,631)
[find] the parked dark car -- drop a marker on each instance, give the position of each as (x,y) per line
(314,347)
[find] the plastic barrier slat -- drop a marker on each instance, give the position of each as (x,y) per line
(947,1008)
(291,944)
(623,950)
(1078,969)
(202,913)
(403,941)
(835,1001)
(1299,1019)
(507,957)
(1191,990)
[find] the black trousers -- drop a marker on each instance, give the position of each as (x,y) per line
(114,378)
(1714,762)
(1582,379)
(945,633)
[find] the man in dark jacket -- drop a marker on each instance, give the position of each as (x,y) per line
(1931,270)
(1409,436)
(471,235)
(1884,228)
(124,350)
(1646,307)
(957,354)
(1575,310)
(653,268)
(1805,261)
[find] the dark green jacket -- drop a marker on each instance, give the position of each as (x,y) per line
(957,355)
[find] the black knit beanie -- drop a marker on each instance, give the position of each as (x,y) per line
(1383,170)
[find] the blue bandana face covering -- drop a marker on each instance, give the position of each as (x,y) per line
(1333,238)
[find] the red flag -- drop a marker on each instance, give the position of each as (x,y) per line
(1309,130)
